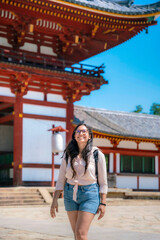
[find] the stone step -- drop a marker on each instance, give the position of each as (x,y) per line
(18,203)
(117,192)
(142,195)
(22,200)
(18,190)
(13,196)
(20,196)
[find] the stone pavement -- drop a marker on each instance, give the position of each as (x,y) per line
(124,220)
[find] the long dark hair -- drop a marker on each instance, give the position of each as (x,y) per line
(72,149)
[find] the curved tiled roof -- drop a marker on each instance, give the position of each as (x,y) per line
(119,6)
(123,2)
(119,123)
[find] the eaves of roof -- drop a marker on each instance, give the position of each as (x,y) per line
(126,136)
(117,8)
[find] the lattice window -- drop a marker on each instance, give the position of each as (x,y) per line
(137,164)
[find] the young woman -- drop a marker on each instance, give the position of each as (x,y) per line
(83,196)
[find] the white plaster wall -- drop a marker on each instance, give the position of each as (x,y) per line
(37,141)
(4,91)
(6,138)
(127,144)
(147,146)
(4,42)
(29,47)
(36,174)
(156,165)
(56,173)
(148,183)
(58,158)
(47,50)
(34,95)
(111,163)
(101,142)
(55,98)
(44,110)
(126,182)
(117,162)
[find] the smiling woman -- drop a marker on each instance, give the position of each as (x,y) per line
(82,136)
(84,194)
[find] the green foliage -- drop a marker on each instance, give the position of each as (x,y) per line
(155,109)
(138,109)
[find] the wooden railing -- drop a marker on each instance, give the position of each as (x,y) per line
(47,62)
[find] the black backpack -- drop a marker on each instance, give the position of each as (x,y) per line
(95,154)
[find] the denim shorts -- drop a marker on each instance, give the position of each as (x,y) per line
(88,198)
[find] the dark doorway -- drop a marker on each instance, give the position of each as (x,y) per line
(6,143)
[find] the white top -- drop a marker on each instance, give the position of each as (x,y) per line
(66,173)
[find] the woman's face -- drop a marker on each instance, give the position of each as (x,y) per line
(82,135)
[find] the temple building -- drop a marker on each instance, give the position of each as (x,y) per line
(131,144)
(42,44)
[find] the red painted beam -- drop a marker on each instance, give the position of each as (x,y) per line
(7,99)
(5,106)
(4,79)
(39,165)
(7,118)
(122,151)
(26,115)
(47,91)
(4,85)
(45,103)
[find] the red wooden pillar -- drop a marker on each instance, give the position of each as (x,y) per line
(138,182)
(114,163)
(70,116)
(52,182)
(114,142)
(159,169)
(19,86)
(18,136)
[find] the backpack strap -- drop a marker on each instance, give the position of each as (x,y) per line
(95,154)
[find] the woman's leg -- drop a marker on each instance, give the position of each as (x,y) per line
(73,215)
(83,222)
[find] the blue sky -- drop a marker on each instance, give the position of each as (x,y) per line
(133,72)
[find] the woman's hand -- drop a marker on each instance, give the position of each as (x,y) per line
(101,211)
(54,208)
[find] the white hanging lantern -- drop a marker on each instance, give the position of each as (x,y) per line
(57,142)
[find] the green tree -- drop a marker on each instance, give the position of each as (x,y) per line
(138,109)
(155,109)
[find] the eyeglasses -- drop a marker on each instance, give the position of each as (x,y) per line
(84,131)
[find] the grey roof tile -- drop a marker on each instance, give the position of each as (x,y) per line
(119,123)
(119,6)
